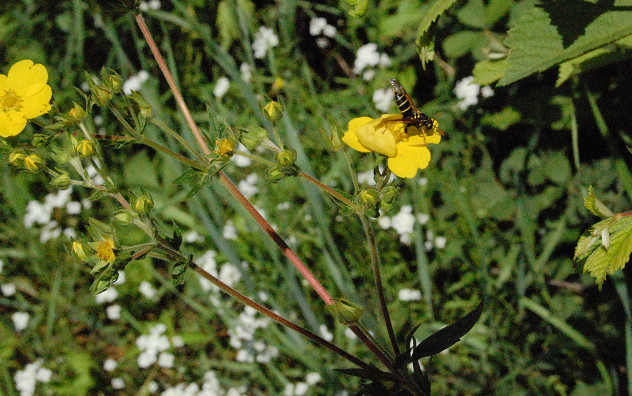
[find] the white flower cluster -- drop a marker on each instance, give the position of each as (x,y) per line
(149,5)
(246,72)
(318,26)
(248,186)
(134,82)
(240,160)
(41,213)
(210,387)
(382,99)
(20,320)
(25,380)
(264,40)
(242,337)
(467,91)
(221,87)
(409,295)
(368,58)
(300,388)
(153,347)
(404,224)
(228,273)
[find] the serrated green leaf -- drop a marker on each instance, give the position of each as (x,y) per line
(557,168)
(473,14)
(425,34)
(602,262)
(496,9)
(595,206)
(503,119)
(461,43)
(553,32)
(489,71)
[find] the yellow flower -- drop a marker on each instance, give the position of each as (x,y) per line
(24,94)
(105,250)
(404,144)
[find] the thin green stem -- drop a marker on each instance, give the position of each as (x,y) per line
(354,177)
(327,189)
(255,158)
(179,138)
(377,278)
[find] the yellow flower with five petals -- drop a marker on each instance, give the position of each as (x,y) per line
(24,94)
(404,144)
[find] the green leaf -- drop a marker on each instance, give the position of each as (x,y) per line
(489,71)
(557,168)
(595,206)
(443,338)
(473,14)
(599,260)
(359,7)
(555,31)
(425,35)
(226,23)
(503,119)
(461,43)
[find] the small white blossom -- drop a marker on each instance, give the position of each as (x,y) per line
(110,365)
(423,218)
(382,99)
(192,237)
(384,222)
(246,72)
(368,75)
(440,242)
(300,388)
(366,55)
(264,40)
(487,91)
(467,90)
(118,383)
(107,296)
(313,378)
(316,26)
(241,160)
(121,278)
(147,289)
(20,320)
(135,82)
(114,312)
(73,208)
(325,333)
(230,232)
(409,295)
(229,274)
(221,87)
(165,360)
(248,186)
(8,289)
(329,31)
(26,379)
(43,374)
(177,341)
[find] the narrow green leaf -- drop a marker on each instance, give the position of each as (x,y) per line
(503,119)
(226,23)
(595,206)
(551,33)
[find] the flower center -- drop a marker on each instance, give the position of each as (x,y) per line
(105,252)
(10,101)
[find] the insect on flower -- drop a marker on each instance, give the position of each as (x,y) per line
(410,115)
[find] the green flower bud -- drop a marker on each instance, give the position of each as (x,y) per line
(143,106)
(345,311)
(286,158)
(16,158)
(275,175)
(34,163)
(253,136)
(77,112)
(123,217)
(86,148)
(115,82)
(78,251)
(61,181)
(101,94)
(389,196)
(273,111)
(370,196)
(143,204)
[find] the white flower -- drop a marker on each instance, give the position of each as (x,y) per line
(409,295)
(404,221)
(246,72)
(1,265)
(467,91)
(248,186)
(313,378)
(367,177)
(109,365)
(366,55)
(25,380)
(43,374)
(487,91)
(154,4)
(423,218)
(146,359)
(423,181)
(121,278)
(350,334)
(428,246)
(329,31)
(241,160)
(152,387)
(316,26)
(368,75)
(118,383)
(300,388)
(8,289)
(134,82)
(229,274)
(192,237)
(322,42)
(147,289)
(73,208)
(384,61)
(285,205)
(230,232)
(325,333)
(166,360)
(106,296)
(289,390)
(114,312)
(20,320)
(221,87)
(440,242)
(208,264)
(264,40)
(382,99)
(384,222)
(177,341)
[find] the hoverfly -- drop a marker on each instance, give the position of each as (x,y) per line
(410,114)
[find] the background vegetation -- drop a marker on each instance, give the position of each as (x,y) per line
(505,188)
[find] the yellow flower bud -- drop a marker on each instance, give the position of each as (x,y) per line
(16,158)
(286,158)
(34,163)
(273,111)
(78,251)
(274,175)
(61,181)
(225,147)
(369,196)
(77,112)
(86,148)
(143,204)
(277,85)
(123,217)
(253,136)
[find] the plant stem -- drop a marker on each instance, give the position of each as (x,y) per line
(377,278)
(327,189)
(179,138)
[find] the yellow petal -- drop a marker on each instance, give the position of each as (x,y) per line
(24,74)
(36,100)
(379,140)
(351,138)
(11,123)
(409,158)
(4,83)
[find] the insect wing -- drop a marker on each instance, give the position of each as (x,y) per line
(400,92)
